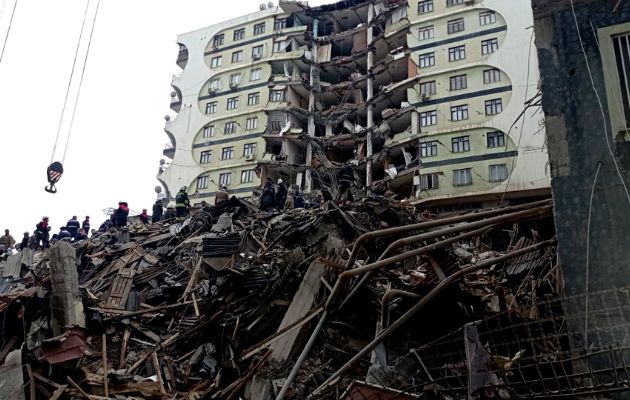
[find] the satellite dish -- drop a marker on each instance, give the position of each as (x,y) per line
(173,94)
(262,6)
(167,117)
(270,4)
(162,162)
(158,189)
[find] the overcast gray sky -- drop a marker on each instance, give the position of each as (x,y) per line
(118,134)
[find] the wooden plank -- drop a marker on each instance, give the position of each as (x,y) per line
(29,370)
(148,333)
(120,287)
(300,306)
(123,349)
(105,366)
(57,393)
(158,371)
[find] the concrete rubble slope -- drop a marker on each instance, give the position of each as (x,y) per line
(328,302)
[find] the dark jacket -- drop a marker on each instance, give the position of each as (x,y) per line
(24,243)
(181,200)
(121,215)
(298,200)
(73,226)
(144,218)
(86,226)
(268,199)
(158,209)
(64,234)
(281,195)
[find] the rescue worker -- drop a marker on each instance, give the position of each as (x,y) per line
(346,181)
(73,226)
(81,235)
(268,199)
(144,217)
(158,210)
(221,196)
(86,224)
(25,239)
(121,214)
(169,214)
(7,240)
(281,195)
(42,233)
(298,199)
(64,233)
(326,195)
(182,203)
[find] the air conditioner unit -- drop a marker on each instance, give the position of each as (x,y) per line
(256,56)
(213,89)
(425,96)
(233,85)
(250,157)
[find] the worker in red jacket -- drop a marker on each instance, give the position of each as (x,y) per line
(121,214)
(144,217)
(42,233)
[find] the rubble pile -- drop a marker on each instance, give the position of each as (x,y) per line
(222,305)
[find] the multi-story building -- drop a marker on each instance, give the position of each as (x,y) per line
(433,100)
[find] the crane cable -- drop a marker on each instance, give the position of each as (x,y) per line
(87,53)
(6,38)
(65,102)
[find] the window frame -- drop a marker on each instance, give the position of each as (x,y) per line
(489,46)
(216,62)
(227,181)
(218,40)
(258,50)
(208,131)
(460,111)
(203,182)
(428,116)
(435,180)
(251,74)
(425,6)
(490,74)
(273,96)
(259,28)
(211,107)
(460,144)
(432,88)
(205,157)
(235,79)
(455,25)
(429,149)
(487,15)
(253,98)
(451,3)
(457,53)
(249,149)
(229,128)
(253,125)
(494,105)
(214,84)
(496,167)
(248,174)
(237,56)
(458,82)
(426,60)
(495,139)
(232,103)
(279,24)
(239,34)
(467,174)
(426,32)
(227,151)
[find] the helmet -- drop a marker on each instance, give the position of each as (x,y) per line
(183,188)
(279,181)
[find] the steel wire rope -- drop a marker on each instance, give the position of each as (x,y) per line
(65,102)
(76,102)
(6,37)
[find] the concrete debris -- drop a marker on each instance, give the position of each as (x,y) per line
(222,305)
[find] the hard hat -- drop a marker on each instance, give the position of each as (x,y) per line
(279,181)
(183,188)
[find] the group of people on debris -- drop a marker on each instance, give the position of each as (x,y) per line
(277,198)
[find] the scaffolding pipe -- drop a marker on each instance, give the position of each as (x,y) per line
(430,296)
(383,262)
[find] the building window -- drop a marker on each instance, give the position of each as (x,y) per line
(208,131)
(202,182)
(462,177)
(498,173)
(206,157)
(427,60)
(458,82)
(259,29)
(227,153)
(427,88)
(255,74)
(428,118)
(494,106)
(251,123)
(489,46)
(235,80)
(225,179)
(279,23)
(459,113)
(276,95)
(429,181)
(232,103)
(425,6)
(253,99)
(257,52)
(457,53)
(455,25)
(218,40)
(450,3)
(230,127)
(237,56)
(214,85)
(276,126)
(239,34)
(487,17)
(426,32)
(279,46)
(249,149)
(247,176)
(429,149)
(495,139)
(460,144)
(491,76)
(211,108)
(216,62)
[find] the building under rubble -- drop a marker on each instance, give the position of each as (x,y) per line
(432,100)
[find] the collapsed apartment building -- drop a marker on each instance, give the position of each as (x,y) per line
(419,97)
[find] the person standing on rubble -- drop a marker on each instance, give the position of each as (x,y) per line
(158,210)
(182,203)
(121,214)
(281,195)
(298,199)
(81,235)
(86,225)
(25,239)
(221,196)
(144,217)
(42,232)
(7,240)
(346,181)
(73,226)
(64,233)
(268,199)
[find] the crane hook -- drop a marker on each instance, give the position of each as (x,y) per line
(53,173)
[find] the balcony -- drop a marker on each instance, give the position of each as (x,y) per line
(176,103)
(182,56)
